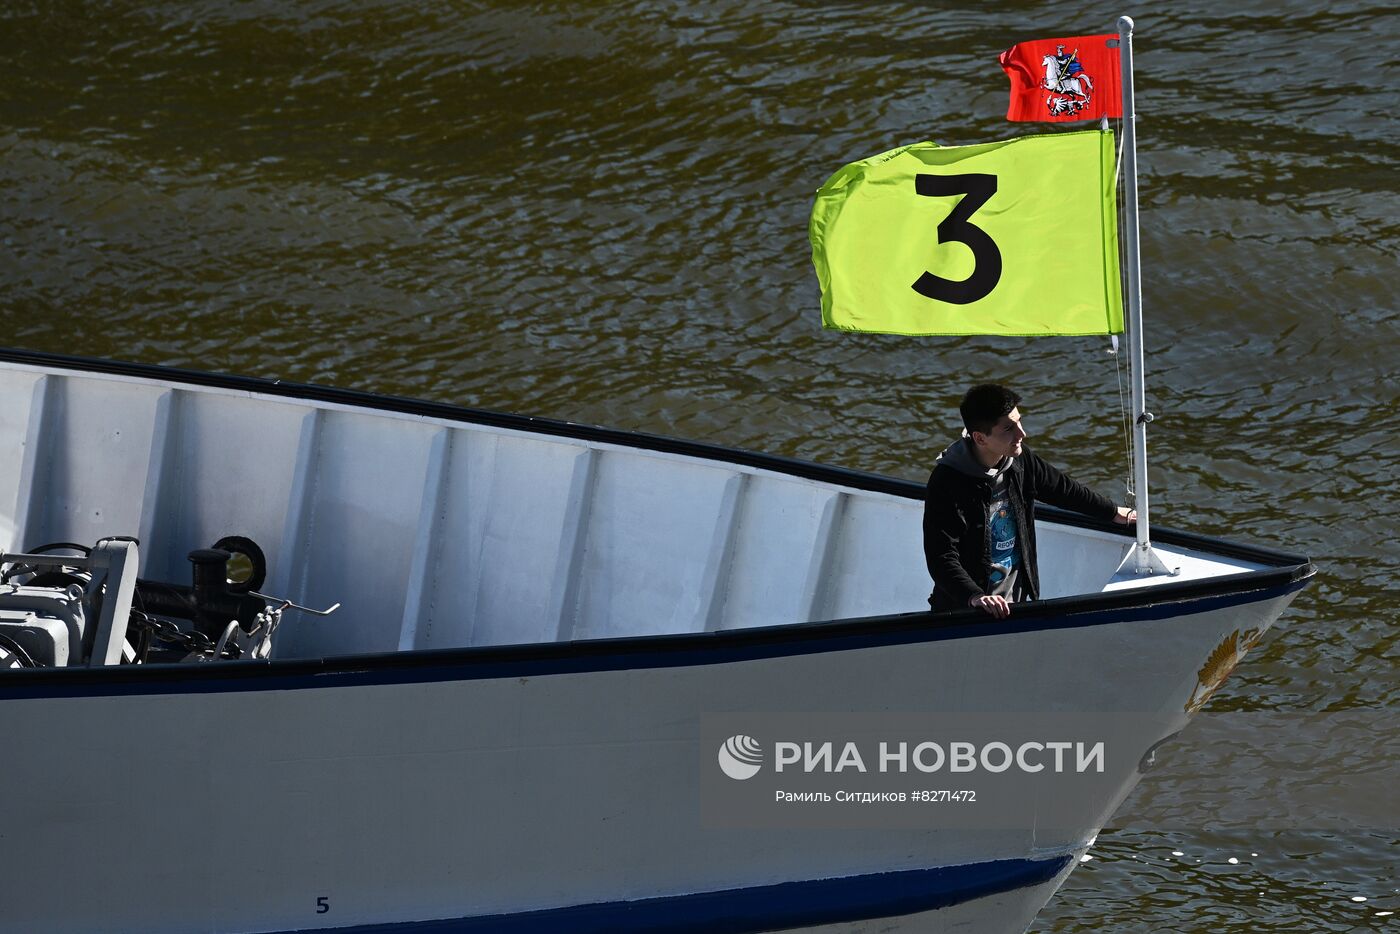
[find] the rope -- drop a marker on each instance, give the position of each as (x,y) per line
(1125,421)
(1124,416)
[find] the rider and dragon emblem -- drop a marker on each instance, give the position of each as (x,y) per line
(1070,86)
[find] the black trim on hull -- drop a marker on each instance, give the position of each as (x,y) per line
(594,655)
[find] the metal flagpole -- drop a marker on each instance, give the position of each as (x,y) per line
(1144,559)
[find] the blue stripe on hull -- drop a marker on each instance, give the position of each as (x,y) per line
(761,908)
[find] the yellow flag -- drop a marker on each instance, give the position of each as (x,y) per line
(1016,237)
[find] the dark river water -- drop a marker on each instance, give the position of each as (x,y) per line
(598,212)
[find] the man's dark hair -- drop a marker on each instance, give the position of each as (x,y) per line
(984,405)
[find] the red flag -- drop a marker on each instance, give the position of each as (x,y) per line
(1060,80)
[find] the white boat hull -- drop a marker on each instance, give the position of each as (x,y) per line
(243,800)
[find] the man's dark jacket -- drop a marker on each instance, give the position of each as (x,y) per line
(955,522)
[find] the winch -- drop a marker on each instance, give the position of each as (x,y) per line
(64,605)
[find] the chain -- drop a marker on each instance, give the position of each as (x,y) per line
(166,631)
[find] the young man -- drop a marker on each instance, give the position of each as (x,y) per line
(979,508)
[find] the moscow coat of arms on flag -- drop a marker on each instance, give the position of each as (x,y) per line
(1055,80)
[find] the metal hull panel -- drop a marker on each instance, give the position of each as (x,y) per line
(394,801)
